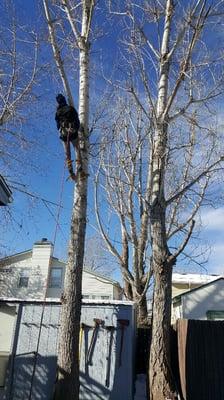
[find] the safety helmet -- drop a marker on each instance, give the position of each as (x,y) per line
(61,99)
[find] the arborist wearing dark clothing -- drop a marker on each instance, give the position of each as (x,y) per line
(68,125)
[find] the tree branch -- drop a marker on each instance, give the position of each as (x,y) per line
(57,53)
(195,180)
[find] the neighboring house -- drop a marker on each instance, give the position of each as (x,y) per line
(36,273)
(5,192)
(184,282)
(204,302)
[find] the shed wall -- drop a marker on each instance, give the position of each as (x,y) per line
(106,370)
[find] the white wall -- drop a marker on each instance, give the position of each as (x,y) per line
(94,286)
(195,304)
(35,264)
(7,318)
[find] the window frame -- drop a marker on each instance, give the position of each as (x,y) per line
(50,284)
(21,278)
(213,315)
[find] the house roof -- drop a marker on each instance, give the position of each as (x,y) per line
(176,298)
(199,279)
(5,192)
(22,254)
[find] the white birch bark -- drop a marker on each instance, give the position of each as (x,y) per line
(159,372)
(68,362)
(67,386)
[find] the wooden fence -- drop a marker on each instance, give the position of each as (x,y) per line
(201,359)
(197,357)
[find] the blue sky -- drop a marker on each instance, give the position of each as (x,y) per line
(35,218)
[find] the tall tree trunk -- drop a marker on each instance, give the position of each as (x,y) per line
(142,312)
(161,379)
(68,357)
(160,376)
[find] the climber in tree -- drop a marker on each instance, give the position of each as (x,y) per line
(68,124)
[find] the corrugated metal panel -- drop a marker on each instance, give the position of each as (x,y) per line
(102,376)
(34,373)
(201,359)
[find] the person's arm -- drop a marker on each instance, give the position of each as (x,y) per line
(57,121)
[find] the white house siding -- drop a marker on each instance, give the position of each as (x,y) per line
(182,283)
(35,265)
(93,286)
(96,287)
(195,304)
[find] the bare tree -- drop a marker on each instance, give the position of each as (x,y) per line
(97,257)
(68,358)
(18,73)
(175,74)
(121,180)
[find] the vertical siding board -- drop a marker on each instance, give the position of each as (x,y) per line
(45,369)
(201,359)
(23,362)
(93,377)
(45,372)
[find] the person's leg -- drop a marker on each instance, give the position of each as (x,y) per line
(75,143)
(67,151)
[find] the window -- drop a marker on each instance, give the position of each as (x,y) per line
(23,279)
(55,278)
(105,297)
(85,296)
(215,315)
